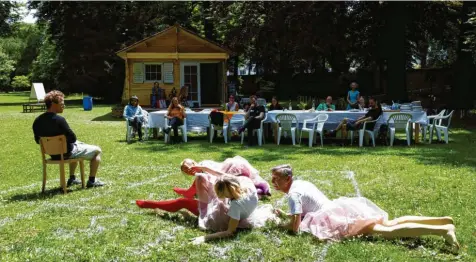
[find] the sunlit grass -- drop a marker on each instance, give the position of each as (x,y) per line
(104,224)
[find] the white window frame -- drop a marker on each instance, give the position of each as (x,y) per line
(161,72)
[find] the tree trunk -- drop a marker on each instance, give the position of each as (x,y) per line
(396,52)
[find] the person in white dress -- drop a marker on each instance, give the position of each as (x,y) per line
(311,211)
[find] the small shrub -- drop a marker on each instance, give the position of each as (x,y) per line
(21,83)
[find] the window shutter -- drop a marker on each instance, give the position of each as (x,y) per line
(138,73)
(168,70)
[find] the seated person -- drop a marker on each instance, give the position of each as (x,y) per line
(133,113)
(362,106)
(51,124)
(254,116)
(373,114)
(275,104)
(327,106)
(232,105)
(175,114)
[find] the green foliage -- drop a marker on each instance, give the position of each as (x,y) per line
(6,68)
(21,83)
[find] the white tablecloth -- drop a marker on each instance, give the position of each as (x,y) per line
(199,120)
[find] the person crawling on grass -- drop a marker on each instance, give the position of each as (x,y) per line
(235,166)
(51,124)
(311,211)
(225,203)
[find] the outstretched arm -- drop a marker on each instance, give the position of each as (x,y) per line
(207,170)
(232,225)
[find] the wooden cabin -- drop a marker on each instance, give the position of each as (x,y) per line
(175,57)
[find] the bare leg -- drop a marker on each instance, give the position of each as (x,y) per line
(415,230)
(344,132)
(94,164)
(72,168)
(420,220)
(343,122)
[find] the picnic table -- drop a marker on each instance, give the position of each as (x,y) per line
(199,120)
(28,108)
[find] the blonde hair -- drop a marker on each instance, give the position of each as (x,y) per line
(230,183)
(186,164)
(172,106)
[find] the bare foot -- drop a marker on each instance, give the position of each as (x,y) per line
(450,237)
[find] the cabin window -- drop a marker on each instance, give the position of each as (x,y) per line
(153,72)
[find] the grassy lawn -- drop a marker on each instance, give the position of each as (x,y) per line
(104,224)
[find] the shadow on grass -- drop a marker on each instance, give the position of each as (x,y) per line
(107,117)
(49,193)
(458,153)
(179,219)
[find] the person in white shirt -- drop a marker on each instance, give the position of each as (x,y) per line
(243,201)
(232,105)
(311,211)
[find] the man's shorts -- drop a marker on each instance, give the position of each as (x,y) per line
(82,150)
(351,125)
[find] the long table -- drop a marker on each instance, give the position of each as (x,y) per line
(199,120)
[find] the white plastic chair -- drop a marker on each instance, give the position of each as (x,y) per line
(145,125)
(286,122)
(223,128)
(317,127)
(428,128)
(182,128)
(439,126)
(363,130)
(259,131)
(261,101)
(399,121)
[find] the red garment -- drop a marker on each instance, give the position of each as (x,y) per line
(187,193)
(173,205)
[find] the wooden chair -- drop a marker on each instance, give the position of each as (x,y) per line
(56,145)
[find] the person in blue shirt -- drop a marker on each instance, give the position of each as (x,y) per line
(133,113)
(353,96)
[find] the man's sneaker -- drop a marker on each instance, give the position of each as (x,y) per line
(95,183)
(73,181)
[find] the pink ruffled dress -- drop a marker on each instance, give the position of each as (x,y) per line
(213,214)
(240,166)
(342,217)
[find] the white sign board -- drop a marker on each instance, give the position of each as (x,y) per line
(169,73)
(37,92)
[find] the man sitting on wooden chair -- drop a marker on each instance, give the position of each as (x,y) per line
(51,124)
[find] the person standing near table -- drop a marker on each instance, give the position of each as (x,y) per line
(353,96)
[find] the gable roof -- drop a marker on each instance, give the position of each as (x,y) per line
(176,27)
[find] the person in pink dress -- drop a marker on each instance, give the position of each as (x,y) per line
(235,166)
(211,210)
(311,211)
